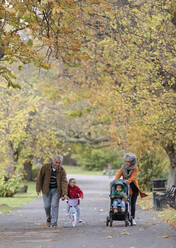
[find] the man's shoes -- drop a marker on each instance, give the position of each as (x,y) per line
(48,223)
(54,226)
(134,222)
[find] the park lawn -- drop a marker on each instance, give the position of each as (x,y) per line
(168,214)
(80,171)
(8,203)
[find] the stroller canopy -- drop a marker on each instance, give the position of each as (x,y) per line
(119,182)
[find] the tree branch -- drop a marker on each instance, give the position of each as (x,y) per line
(84,140)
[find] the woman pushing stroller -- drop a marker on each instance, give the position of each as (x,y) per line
(124,192)
(129,171)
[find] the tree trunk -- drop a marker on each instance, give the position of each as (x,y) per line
(172,177)
(28,169)
(10,170)
(171,152)
(69,161)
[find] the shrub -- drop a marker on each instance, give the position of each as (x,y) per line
(9,187)
(96,159)
(152,165)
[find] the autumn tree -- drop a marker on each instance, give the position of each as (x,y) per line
(34,31)
(36,123)
(130,85)
(118,69)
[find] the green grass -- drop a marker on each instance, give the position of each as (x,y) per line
(168,214)
(79,170)
(8,203)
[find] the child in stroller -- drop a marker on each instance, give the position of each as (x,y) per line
(119,197)
(119,202)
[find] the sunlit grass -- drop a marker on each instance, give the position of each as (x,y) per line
(168,214)
(79,170)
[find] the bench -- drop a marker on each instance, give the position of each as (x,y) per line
(170,196)
(163,199)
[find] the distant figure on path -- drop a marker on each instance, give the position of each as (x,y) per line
(129,171)
(52,181)
(109,170)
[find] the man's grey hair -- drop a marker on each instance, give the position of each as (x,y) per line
(58,156)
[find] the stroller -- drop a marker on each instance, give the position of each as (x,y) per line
(120,216)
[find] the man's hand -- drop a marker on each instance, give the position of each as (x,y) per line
(38,194)
(112,196)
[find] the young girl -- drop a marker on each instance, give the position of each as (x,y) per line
(74,193)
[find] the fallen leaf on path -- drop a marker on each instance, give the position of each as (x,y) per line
(125,233)
(101,210)
(109,237)
(34,223)
(53,240)
(165,236)
(155,223)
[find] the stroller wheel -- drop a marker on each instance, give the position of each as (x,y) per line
(111,221)
(107,221)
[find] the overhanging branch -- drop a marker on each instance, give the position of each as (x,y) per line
(84,140)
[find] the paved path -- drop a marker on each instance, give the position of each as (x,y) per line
(23,228)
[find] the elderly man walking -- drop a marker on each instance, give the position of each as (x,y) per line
(52,181)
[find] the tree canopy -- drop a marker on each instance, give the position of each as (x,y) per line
(33,31)
(112,78)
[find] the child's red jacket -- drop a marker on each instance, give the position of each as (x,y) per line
(74,192)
